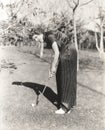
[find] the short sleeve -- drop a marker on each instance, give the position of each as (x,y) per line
(51,38)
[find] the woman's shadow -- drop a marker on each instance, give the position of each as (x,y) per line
(39,90)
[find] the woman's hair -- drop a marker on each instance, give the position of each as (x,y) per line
(48,32)
(37,32)
(62,26)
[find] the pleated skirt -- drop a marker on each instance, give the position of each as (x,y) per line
(66,78)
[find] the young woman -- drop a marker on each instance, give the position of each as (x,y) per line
(65,66)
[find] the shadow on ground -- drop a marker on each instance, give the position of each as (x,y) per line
(39,90)
(93,90)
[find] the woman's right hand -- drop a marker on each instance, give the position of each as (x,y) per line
(52,71)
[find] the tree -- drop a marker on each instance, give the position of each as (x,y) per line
(100,26)
(74,5)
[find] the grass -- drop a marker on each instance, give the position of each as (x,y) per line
(16,102)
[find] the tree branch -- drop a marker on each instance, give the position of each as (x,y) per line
(74,2)
(86,3)
(69,4)
(76,5)
(19,8)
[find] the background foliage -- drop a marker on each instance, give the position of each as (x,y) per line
(28,15)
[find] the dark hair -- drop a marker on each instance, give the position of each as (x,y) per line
(62,26)
(37,32)
(48,32)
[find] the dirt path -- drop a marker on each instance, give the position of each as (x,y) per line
(23,77)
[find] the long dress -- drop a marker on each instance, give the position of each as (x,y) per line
(66,75)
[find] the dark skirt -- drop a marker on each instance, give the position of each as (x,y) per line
(66,78)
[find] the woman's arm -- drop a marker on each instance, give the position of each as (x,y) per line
(41,49)
(41,45)
(39,39)
(56,57)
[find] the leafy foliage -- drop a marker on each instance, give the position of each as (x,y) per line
(35,17)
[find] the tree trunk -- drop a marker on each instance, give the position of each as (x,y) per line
(75,33)
(101,40)
(75,40)
(101,48)
(97,42)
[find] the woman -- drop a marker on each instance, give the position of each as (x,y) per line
(65,66)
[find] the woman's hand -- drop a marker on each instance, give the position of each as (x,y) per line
(52,71)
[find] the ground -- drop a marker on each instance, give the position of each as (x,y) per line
(23,76)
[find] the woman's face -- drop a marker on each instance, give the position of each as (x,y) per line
(38,38)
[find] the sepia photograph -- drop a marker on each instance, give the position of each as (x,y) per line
(52,64)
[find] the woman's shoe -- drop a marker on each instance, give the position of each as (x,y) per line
(69,111)
(60,111)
